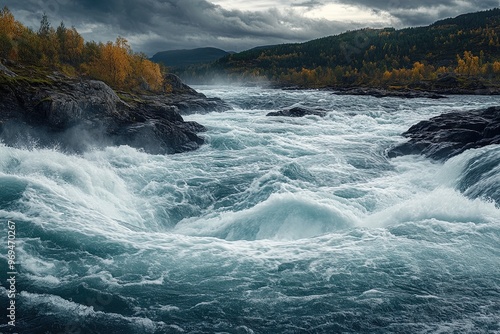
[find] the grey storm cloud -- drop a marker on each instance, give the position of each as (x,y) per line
(423,12)
(404,4)
(155,25)
(160,24)
(309,4)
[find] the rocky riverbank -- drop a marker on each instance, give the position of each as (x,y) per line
(77,113)
(450,134)
(380,92)
(444,84)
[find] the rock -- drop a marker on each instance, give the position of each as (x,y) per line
(75,114)
(80,100)
(450,134)
(188,101)
(178,86)
(297,112)
(6,71)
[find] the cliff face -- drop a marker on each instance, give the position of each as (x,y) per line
(74,114)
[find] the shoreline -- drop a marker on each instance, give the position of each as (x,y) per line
(78,113)
(380,92)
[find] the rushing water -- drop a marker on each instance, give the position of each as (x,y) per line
(276,225)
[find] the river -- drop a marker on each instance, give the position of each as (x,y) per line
(276,225)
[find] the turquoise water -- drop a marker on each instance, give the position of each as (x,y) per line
(276,225)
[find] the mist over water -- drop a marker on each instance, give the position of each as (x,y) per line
(276,225)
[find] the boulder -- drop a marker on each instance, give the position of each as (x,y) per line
(297,112)
(450,134)
(189,101)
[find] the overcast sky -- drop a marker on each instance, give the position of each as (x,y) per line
(233,25)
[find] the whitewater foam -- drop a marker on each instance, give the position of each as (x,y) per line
(275,225)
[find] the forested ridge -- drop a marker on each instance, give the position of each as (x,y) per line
(462,51)
(33,54)
(182,58)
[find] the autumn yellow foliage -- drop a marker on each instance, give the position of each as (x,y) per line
(467,65)
(65,50)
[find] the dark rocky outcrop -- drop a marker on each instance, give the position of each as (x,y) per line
(74,114)
(188,101)
(450,134)
(297,112)
(379,92)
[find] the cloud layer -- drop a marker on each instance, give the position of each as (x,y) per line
(155,25)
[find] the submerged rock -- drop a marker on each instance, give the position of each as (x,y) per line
(450,134)
(74,114)
(297,112)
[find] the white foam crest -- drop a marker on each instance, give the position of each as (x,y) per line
(282,216)
(59,184)
(455,166)
(52,303)
(35,266)
(145,281)
(442,204)
(48,280)
(57,303)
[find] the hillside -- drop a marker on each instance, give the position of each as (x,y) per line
(182,58)
(452,51)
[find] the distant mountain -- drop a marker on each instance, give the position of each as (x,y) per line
(462,51)
(182,58)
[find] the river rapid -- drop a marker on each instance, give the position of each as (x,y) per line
(276,225)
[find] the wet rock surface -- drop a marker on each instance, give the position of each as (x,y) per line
(447,135)
(74,114)
(297,112)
